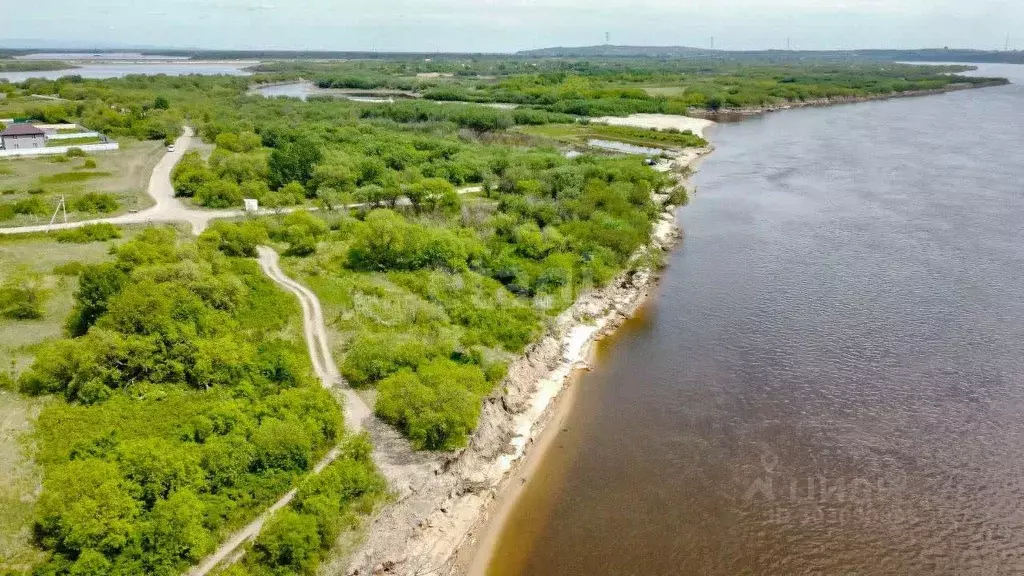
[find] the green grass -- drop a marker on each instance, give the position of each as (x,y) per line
(19,483)
(580,134)
(68,177)
(73,141)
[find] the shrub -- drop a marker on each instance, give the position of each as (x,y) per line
(235,239)
(100,232)
(89,163)
(290,544)
(75,153)
(372,357)
(219,194)
(282,445)
(22,296)
(390,242)
(72,268)
(95,202)
(33,206)
(190,174)
(301,230)
(437,406)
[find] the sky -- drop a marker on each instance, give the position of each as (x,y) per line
(510,25)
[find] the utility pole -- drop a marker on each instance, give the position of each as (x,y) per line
(607,38)
(61,207)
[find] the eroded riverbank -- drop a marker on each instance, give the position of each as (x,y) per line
(830,379)
(440,513)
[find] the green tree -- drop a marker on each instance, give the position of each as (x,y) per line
(176,536)
(96,284)
(86,504)
(293,162)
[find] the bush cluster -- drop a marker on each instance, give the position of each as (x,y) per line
(100,232)
(183,411)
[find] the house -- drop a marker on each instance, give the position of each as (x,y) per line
(22,136)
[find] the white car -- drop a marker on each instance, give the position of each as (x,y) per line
(170,148)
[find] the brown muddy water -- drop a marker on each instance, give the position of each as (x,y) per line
(831,378)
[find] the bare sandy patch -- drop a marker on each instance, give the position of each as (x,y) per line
(658,122)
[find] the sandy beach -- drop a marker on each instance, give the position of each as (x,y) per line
(658,122)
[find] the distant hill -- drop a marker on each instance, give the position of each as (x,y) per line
(920,55)
(8,49)
(610,51)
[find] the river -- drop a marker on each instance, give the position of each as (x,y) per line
(831,378)
(115,69)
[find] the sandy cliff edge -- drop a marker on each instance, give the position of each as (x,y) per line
(446,500)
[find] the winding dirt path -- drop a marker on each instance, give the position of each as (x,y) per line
(405,469)
(315,329)
(357,412)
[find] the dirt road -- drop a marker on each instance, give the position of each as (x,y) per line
(356,411)
(315,329)
(166,207)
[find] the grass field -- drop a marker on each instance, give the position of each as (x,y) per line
(580,134)
(40,254)
(123,173)
(19,482)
